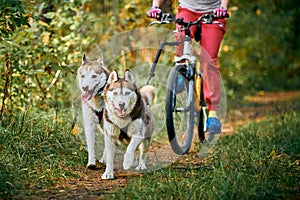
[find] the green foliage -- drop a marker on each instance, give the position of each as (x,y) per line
(12,16)
(259,51)
(44,57)
(261,46)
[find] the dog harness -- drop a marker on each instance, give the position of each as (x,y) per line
(99,114)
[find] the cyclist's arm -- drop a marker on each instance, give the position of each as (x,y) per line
(224,3)
(154,11)
(222,11)
(157,3)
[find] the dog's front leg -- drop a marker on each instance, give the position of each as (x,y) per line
(89,130)
(103,159)
(143,148)
(109,154)
(129,157)
(109,149)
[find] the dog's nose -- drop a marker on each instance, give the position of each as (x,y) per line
(121,105)
(85,88)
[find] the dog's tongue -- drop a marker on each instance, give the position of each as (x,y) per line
(122,113)
(86,96)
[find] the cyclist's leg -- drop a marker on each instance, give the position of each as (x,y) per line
(212,36)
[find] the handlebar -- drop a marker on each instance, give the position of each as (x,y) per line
(167,18)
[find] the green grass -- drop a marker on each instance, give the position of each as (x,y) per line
(260,161)
(36,149)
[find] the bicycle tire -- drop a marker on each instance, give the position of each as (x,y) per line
(180,110)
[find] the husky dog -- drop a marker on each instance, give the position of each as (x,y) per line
(127,120)
(91,78)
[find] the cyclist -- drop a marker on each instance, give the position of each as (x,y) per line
(211,38)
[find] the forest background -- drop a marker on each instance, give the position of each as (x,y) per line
(42,45)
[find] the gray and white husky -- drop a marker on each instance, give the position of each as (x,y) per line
(91,78)
(127,119)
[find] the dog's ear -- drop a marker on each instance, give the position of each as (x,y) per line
(84,59)
(113,77)
(128,76)
(100,59)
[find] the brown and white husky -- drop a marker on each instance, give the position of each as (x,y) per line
(127,119)
(91,78)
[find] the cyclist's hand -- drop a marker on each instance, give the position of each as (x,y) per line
(220,12)
(154,12)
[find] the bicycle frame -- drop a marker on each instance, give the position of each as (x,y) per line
(194,70)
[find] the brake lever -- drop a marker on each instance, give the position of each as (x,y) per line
(165,18)
(208,19)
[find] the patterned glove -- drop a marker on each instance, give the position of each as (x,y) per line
(220,12)
(154,12)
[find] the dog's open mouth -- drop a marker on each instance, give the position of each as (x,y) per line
(122,112)
(87,95)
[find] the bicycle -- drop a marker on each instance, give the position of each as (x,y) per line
(184,94)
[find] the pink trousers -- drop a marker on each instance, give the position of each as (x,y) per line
(212,35)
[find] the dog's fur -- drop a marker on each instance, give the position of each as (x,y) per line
(127,119)
(91,78)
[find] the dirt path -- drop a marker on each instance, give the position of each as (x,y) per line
(89,184)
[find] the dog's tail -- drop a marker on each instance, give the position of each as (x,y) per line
(148,94)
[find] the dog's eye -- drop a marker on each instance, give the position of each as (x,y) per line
(127,93)
(82,76)
(94,76)
(115,93)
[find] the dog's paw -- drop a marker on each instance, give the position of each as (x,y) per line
(108,175)
(129,160)
(102,160)
(91,166)
(141,167)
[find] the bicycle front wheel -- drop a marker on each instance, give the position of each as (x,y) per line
(180,109)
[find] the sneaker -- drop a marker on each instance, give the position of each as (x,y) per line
(180,84)
(213,125)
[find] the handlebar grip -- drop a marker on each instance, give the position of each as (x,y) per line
(213,16)
(226,16)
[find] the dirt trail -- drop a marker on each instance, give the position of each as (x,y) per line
(89,184)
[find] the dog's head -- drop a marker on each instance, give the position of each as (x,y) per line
(120,94)
(91,77)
